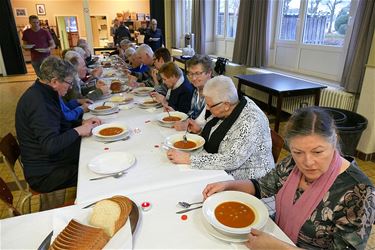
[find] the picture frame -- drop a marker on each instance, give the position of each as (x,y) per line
(20,12)
(40,9)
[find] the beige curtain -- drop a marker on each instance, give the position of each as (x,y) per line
(250,46)
(359,46)
(198,26)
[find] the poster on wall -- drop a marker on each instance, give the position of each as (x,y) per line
(20,12)
(40,9)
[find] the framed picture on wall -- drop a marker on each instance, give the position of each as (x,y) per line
(40,9)
(20,12)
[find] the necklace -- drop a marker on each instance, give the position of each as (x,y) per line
(308,182)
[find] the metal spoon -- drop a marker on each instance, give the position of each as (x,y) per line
(123,139)
(115,175)
(187,205)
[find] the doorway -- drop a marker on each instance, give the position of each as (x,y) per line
(99,27)
(68,31)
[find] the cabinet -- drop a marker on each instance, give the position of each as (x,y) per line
(73,38)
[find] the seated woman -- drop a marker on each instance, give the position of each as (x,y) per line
(323,200)
(237,134)
(179,91)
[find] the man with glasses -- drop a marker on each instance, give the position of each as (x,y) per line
(199,72)
(50,143)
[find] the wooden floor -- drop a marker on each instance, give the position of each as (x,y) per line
(11,89)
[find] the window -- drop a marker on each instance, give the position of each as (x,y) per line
(226,17)
(312,36)
(324,23)
(187,10)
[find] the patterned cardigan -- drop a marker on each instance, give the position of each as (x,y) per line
(246,150)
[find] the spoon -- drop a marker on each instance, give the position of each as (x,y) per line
(184,137)
(187,205)
(115,175)
(123,139)
(104,103)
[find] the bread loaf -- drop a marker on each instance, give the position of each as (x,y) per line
(111,214)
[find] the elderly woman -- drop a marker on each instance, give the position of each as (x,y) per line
(237,134)
(199,72)
(179,92)
(323,200)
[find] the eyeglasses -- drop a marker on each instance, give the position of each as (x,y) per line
(213,106)
(196,74)
(70,83)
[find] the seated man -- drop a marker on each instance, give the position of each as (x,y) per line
(180,90)
(49,143)
(74,109)
(161,56)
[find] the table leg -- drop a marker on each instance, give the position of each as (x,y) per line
(269,103)
(278,112)
(317,97)
(239,87)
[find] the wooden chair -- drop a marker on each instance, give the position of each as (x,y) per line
(10,150)
(277,145)
(7,197)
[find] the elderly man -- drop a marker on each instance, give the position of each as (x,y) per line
(42,41)
(154,36)
(49,143)
(146,56)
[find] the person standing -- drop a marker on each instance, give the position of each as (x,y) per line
(42,41)
(154,37)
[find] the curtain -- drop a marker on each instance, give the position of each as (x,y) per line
(176,23)
(359,47)
(250,45)
(198,26)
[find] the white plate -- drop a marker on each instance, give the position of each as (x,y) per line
(143,91)
(28,46)
(111,162)
(260,210)
(182,116)
(199,140)
(106,96)
(102,111)
(43,50)
(121,99)
(97,129)
(101,139)
(212,231)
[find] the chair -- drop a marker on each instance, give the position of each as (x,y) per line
(277,145)
(11,152)
(11,155)
(7,197)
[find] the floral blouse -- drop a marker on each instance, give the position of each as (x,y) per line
(342,220)
(246,149)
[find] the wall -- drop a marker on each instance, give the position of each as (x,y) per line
(366,105)
(55,8)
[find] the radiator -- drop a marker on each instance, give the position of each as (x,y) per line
(330,97)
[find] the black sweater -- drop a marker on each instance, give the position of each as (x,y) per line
(47,140)
(180,98)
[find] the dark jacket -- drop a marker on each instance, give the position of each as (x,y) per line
(47,140)
(154,39)
(121,33)
(180,98)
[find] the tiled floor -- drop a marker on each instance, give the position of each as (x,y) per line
(11,88)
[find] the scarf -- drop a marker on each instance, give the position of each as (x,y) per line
(213,142)
(197,105)
(291,217)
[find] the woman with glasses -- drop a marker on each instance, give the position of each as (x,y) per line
(237,134)
(49,143)
(199,72)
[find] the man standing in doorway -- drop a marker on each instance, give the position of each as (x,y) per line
(154,37)
(41,40)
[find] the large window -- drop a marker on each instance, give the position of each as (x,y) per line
(226,17)
(312,36)
(187,10)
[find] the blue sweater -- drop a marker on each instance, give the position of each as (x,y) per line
(72,110)
(180,98)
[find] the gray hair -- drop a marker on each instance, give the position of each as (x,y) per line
(54,67)
(221,89)
(129,52)
(70,54)
(144,48)
(80,51)
(125,42)
(312,121)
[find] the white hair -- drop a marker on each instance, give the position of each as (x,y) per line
(129,52)
(144,48)
(81,51)
(70,54)
(221,89)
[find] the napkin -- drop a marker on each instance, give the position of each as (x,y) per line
(121,240)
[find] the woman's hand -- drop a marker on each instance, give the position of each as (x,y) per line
(262,240)
(178,157)
(167,108)
(154,74)
(216,187)
(194,127)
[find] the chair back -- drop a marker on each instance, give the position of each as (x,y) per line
(7,197)
(277,145)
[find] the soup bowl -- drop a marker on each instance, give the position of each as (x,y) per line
(260,211)
(196,139)
(98,108)
(110,130)
(176,116)
(143,91)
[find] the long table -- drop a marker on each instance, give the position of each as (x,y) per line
(153,178)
